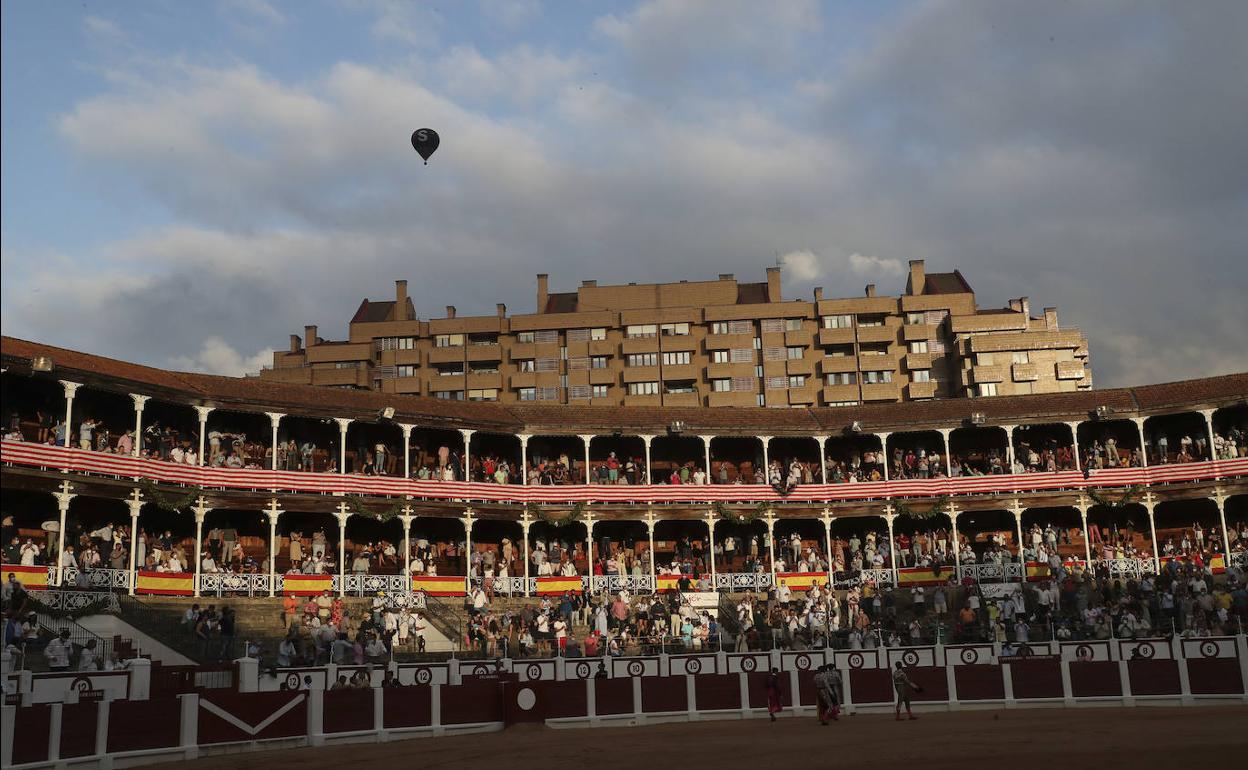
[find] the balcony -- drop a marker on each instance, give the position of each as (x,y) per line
(877,334)
(678,342)
(775,368)
(915,361)
(800,338)
(486,352)
(919,390)
(1069,370)
(446,355)
(641,374)
(837,364)
(522,351)
(732,398)
(409,357)
(726,341)
(631,400)
(522,380)
(800,366)
(881,391)
(603,348)
(603,377)
(439,382)
(356,375)
(682,372)
(835,394)
(484,380)
(1024,372)
(681,399)
(640,345)
(836,336)
(983,374)
(918,332)
(804,396)
(727,371)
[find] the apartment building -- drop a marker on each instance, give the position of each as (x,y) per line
(702,343)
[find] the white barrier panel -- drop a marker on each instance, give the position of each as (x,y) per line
(424,673)
(748,662)
(1090,649)
(803,661)
(534,670)
(1213,647)
(582,668)
(855,659)
(635,667)
(1144,649)
(51,687)
(304,678)
(912,656)
(693,664)
(969,655)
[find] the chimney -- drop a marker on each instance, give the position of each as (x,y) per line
(727,277)
(588,284)
(1021,305)
(773,284)
(914,285)
(450,311)
(309,336)
(543,292)
(870,290)
(1050,319)
(818,293)
(294,343)
(399,313)
(502,310)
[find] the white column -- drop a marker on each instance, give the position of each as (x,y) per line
(135,503)
(343,422)
(63,499)
(407,449)
(1208,415)
(70,440)
(589,549)
(1009,446)
(944,433)
(468,521)
(139,403)
(203,412)
(524,472)
(200,511)
(889,516)
(273,513)
(587,438)
(649,477)
(1074,436)
(1150,505)
(770,519)
(526,521)
(1219,498)
(766,459)
(467,434)
(1083,507)
(710,526)
(957,545)
(826,518)
(1017,509)
(823,459)
(706,457)
(887,461)
(342,515)
(1139,426)
(275,419)
(651,521)
(406,517)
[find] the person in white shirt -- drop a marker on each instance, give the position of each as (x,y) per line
(208,565)
(67,558)
(57,652)
(561,634)
(30,552)
(89,658)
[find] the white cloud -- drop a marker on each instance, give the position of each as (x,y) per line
(103,31)
(875,266)
(802,265)
(216,356)
(520,75)
(510,14)
(257,10)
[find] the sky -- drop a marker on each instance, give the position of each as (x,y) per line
(186,184)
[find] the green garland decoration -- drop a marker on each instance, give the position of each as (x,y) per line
(938,507)
(356,505)
(94,608)
(1129,496)
(747,516)
(167,502)
(574,515)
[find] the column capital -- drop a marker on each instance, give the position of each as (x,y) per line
(1083,504)
(587,437)
(1139,421)
(1219,497)
(883,433)
(466,432)
(651,520)
(1016,507)
(70,387)
(524,438)
(765,439)
(945,432)
(822,439)
(1149,501)
(770,519)
(139,401)
(407,520)
(203,412)
(647,437)
(407,430)
(711,517)
(1208,413)
(63,499)
(200,510)
(135,503)
(706,440)
(826,517)
(1073,424)
(343,422)
(469,518)
(275,418)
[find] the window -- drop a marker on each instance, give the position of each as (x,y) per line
(839,351)
(742,356)
(841,403)
(921,375)
(395,343)
(546,365)
(677,358)
(674,329)
(918,346)
(792,324)
(546,336)
(643,359)
(795,353)
(776,383)
(870,320)
(915,319)
(598,334)
(761,400)
(680,386)
(404,371)
(873,349)
(563,352)
(599,391)
(598,362)
(719,356)
(838,322)
(875,378)
(345,364)
(547,394)
(797,380)
(1022,357)
(578,363)
(774,354)
(484,394)
(524,338)
(578,335)
(744,384)
(721,386)
(578,392)
(449,340)
(643,388)
(732,327)
(641,330)
(525,365)
(988,389)
(983,359)
(842,378)
(527,394)
(449,370)
(449,395)
(758,371)
(483,368)
(483,339)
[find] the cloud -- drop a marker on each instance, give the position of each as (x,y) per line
(103,30)
(259,11)
(411,24)
(875,266)
(216,356)
(519,75)
(802,265)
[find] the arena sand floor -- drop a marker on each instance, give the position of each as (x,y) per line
(1102,738)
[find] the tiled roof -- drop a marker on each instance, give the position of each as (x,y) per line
(564,302)
(946,283)
(262,395)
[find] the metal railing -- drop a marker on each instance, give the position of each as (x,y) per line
(222,583)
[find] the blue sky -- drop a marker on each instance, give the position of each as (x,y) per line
(184,184)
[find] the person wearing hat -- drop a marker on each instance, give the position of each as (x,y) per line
(58,651)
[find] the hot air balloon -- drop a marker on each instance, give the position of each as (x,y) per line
(425,141)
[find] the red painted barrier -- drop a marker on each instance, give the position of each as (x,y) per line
(1154,677)
(717,692)
(30,733)
(613,696)
(539,701)
(408,707)
(1214,676)
(226,717)
(78,729)
(935,687)
(663,694)
(144,724)
(471,702)
(1036,679)
(979,683)
(1095,679)
(871,685)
